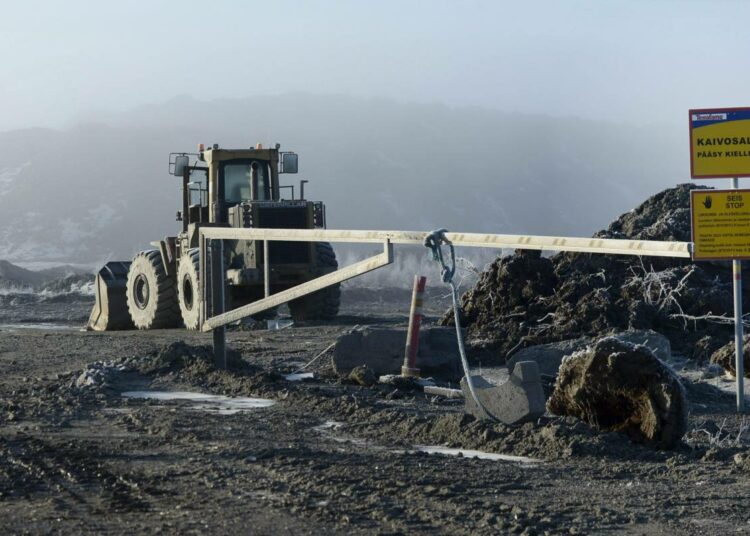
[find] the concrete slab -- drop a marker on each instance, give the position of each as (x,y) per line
(382,351)
(517,400)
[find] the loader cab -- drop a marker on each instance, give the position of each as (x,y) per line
(241,181)
(240,175)
(224,178)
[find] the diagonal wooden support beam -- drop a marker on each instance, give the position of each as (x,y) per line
(349,272)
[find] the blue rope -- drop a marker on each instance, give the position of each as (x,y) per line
(435,241)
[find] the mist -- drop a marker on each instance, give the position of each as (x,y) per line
(523,118)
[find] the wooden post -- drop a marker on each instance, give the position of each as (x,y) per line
(415,321)
(217,295)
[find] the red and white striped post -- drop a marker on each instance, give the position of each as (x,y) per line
(415,321)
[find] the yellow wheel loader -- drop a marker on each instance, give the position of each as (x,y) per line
(240,188)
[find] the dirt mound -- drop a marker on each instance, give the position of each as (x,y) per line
(620,387)
(179,355)
(526,299)
(724,356)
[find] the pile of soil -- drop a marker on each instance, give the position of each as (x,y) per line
(526,299)
(620,387)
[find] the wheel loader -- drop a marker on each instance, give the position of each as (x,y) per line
(240,188)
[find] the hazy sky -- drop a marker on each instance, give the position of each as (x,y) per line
(633,60)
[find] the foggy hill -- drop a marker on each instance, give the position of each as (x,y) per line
(12,275)
(100,189)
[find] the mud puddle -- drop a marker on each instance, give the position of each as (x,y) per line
(217,404)
(329,427)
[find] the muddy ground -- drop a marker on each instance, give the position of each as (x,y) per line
(76,457)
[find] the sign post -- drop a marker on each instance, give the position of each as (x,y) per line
(739,357)
(720,147)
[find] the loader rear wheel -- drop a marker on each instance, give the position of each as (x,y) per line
(188,288)
(151,296)
(324,304)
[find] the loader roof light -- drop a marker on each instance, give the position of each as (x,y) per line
(258,145)
(201,147)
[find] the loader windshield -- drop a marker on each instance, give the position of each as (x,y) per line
(236,177)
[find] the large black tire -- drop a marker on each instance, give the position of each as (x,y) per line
(151,296)
(324,304)
(188,288)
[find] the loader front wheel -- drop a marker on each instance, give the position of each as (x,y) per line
(188,289)
(323,304)
(151,296)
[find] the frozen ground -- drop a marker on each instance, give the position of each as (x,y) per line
(79,457)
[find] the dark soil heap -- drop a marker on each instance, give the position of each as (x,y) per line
(619,387)
(526,299)
(725,357)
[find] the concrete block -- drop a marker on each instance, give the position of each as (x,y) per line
(382,351)
(519,399)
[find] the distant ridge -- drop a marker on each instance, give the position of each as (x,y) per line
(100,190)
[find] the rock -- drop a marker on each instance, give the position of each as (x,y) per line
(382,351)
(363,375)
(724,357)
(517,400)
(617,386)
(549,356)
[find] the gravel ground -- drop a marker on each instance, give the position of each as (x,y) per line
(76,456)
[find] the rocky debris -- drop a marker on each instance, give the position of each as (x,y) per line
(363,375)
(526,299)
(98,375)
(382,351)
(549,356)
(519,399)
(619,387)
(724,357)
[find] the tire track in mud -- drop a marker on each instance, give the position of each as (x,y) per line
(404,492)
(31,465)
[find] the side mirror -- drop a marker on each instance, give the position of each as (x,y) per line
(289,163)
(180,163)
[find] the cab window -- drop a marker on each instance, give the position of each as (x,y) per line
(236,178)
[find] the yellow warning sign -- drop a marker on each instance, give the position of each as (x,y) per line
(720,224)
(720,142)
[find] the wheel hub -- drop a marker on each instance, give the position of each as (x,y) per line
(187,293)
(141,291)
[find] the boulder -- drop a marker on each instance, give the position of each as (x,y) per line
(618,386)
(382,351)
